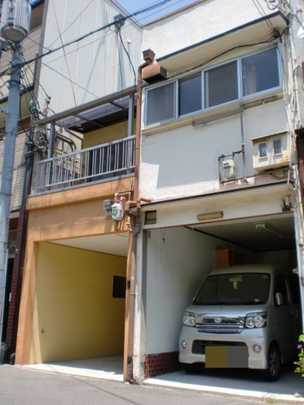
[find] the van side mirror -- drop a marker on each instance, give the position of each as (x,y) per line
(279,299)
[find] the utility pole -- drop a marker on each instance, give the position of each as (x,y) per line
(11,127)
(15,26)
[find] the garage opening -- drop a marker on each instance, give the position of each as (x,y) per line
(80,306)
(178,260)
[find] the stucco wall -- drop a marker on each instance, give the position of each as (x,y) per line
(75,315)
(207,19)
(184,161)
(91,68)
(177,262)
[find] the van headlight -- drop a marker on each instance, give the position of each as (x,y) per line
(189,319)
(256,320)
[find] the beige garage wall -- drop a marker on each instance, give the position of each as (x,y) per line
(75,315)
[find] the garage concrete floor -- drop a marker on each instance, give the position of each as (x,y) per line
(236,382)
(107,368)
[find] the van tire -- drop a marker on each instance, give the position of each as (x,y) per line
(193,368)
(273,371)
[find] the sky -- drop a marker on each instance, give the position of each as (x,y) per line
(134,5)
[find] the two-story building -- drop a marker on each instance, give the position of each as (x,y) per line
(217,162)
(73,299)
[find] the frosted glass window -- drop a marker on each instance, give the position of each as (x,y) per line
(260,72)
(277,146)
(221,84)
(190,94)
(160,104)
(262,150)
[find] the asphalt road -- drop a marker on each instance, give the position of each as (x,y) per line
(27,387)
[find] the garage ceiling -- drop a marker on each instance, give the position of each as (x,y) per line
(258,234)
(116,244)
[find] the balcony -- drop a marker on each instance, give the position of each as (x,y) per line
(96,164)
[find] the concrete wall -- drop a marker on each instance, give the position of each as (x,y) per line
(184,161)
(207,19)
(177,262)
(75,315)
(91,68)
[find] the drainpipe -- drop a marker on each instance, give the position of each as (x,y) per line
(133,232)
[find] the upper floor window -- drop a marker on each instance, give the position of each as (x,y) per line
(233,80)
(221,84)
(161,103)
(190,94)
(260,72)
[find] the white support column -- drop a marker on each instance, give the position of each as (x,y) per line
(139,318)
(299,233)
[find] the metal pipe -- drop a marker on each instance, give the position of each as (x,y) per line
(88,106)
(130,115)
(12,119)
(131,260)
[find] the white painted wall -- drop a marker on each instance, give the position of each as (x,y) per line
(184,161)
(92,64)
(177,262)
(196,24)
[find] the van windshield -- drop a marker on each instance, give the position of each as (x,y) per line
(234,289)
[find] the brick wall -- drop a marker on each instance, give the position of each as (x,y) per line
(161,363)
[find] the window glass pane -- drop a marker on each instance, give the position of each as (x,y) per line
(190,94)
(262,149)
(160,104)
(221,84)
(277,146)
(260,72)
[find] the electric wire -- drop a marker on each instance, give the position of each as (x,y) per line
(263,14)
(71,24)
(205,63)
(64,54)
(128,55)
(69,79)
(88,34)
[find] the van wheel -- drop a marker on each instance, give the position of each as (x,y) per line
(193,368)
(272,373)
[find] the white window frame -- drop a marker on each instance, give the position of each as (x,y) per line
(261,93)
(237,84)
(241,97)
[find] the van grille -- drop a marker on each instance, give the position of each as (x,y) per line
(220,324)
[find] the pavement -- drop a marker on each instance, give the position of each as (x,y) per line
(27,387)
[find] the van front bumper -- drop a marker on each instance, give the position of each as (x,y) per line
(254,339)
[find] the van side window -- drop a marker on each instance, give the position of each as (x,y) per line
(295,289)
(280,287)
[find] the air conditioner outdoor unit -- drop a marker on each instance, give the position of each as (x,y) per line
(271,152)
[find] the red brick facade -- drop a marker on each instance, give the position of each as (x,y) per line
(161,363)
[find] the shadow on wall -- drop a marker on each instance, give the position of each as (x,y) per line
(76,316)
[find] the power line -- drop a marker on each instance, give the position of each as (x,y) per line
(69,79)
(71,24)
(263,14)
(128,55)
(64,54)
(82,37)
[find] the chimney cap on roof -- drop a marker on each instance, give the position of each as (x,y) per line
(149,55)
